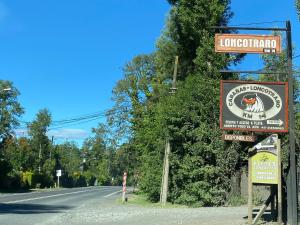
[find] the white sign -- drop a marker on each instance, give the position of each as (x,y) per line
(58,173)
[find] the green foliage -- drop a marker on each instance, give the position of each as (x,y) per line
(27,179)
(236,200)
(200,164)
(10,109)
(298,7)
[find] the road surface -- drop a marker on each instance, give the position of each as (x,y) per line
(38,208)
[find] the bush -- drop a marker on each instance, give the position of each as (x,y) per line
(89,178)
(26,179)
(41,180)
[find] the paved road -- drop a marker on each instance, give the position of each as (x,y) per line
(37,208)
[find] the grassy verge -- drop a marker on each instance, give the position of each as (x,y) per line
(140,199)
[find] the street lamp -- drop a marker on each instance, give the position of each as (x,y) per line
(7,89)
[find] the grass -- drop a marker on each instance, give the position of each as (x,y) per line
(236,200)
(140,199)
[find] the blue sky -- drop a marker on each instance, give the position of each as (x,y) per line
(67,55)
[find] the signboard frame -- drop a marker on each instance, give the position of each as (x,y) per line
(255,50)
(285,100)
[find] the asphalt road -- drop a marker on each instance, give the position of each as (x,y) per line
(37,208)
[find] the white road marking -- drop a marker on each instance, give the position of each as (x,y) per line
(106,196)
(50,196)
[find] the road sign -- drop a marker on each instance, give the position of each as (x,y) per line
(58,173)
(244,43)
(254,106)
(235,137)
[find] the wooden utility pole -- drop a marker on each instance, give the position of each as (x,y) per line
(40,157)
(165,175)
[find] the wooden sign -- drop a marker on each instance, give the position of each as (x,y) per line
(244,43)
(235,137)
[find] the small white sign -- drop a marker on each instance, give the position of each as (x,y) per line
(58,173)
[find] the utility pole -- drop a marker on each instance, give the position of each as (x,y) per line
(40,156)
(52,140)
(165,175)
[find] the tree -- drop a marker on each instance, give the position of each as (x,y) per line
(96,156)
(201,164)
(67,157)
(10,109)
(131,95)
(39,140)
(298,7)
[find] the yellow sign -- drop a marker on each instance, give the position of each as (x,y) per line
(265,168)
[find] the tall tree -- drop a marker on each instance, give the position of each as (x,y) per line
(40,142)
(97,155)
(10,109)
(201,164)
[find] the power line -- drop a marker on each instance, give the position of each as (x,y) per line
(70,121)
(69,125)
(267,22)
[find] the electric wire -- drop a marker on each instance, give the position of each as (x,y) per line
(257,23)
(70,121)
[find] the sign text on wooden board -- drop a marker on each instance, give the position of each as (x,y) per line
(245,43)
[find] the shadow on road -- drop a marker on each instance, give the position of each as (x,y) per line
(267,216)
(31,208)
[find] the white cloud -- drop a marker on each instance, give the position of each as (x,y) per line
(68,133)
(58,134)
(21,132)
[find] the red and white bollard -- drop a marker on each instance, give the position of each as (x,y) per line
(124,186)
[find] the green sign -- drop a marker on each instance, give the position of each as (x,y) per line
(264,168)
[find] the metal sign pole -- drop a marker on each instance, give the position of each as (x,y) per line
(291,182)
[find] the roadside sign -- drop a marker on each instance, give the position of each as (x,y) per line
(254,106)
(235,137)
(268,144)
(264,168)
(245,43)
(265,162)
(58,173)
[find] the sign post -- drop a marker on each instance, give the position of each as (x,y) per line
(266,44)
(58,174)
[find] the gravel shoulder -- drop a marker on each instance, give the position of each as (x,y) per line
(109,211)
